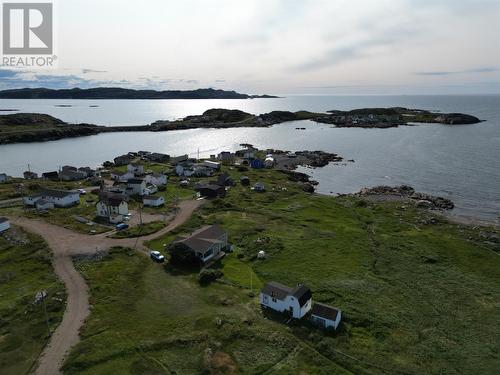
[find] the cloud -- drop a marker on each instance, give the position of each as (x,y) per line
(86,71)
(378,43)
(454,72)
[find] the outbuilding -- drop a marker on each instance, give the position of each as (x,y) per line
(211,164)
(325,316)
(259,186)
(4,224)
(153,201)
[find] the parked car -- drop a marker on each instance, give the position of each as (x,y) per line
(82,191)
(156,256)
(121,226)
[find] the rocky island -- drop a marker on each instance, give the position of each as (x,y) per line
(33,127)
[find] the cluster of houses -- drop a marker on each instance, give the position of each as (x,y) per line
(298,303)
(134,181)
(66,173)
(144,155)
(247,156)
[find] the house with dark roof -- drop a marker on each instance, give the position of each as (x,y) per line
(53,176)
(210,190)
(295,301)
(225,180)
(207,243)
(28,175)
(325,316)
(71,175)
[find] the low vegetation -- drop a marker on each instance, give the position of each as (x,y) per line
(419,295)
(25,270)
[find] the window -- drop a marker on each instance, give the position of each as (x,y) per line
(266,299)
(274,299)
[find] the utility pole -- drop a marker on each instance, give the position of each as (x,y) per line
(40,296)
(251,281)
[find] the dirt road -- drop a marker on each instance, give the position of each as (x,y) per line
(65,244)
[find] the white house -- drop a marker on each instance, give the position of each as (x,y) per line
(112,206)
(297,301)
(43,205)
(122,176)
(60,198)
(158,179)
(325,316)
(269,162)
(135,168)
(259,186)
(211,164)
(4,224)
(136,186)
(153,201)
(3,177)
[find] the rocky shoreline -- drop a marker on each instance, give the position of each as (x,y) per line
(408,193)
(33,127)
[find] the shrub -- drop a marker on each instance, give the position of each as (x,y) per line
(206,276)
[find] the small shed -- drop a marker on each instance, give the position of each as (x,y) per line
(325,316)
(4,224)
(259,186)
(257,164)
(153,201)
(245,181)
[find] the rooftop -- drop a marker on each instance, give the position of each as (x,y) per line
(324,311)
(202,239)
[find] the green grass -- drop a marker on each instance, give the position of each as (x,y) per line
(147,320)
(403,312)
(140,230)
(417,298)
(25,269)
(65,217)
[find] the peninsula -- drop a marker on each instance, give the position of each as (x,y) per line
(33,127)
(121,93)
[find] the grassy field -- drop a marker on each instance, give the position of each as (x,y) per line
(417,297)
(66,217)
(25,269)
(148,320)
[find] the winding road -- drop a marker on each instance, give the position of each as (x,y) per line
(64,244)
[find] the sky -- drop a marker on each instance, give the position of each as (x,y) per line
(275,46)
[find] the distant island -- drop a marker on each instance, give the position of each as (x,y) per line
(121,93)
(35,127)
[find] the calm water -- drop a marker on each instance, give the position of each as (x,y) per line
(459,162)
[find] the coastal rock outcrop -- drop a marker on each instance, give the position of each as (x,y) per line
(421,200)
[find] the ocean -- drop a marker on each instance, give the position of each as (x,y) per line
(458,162)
